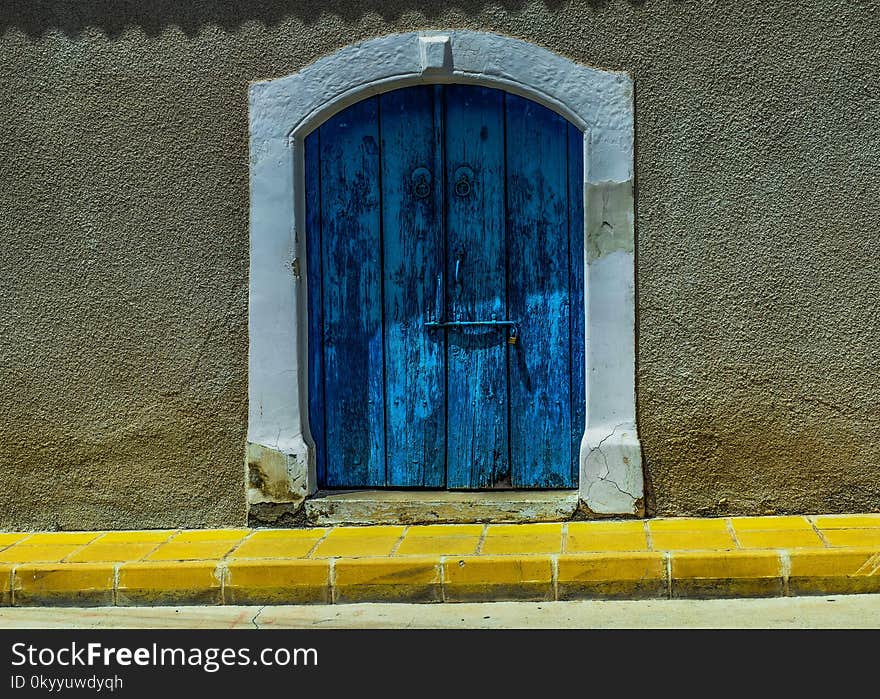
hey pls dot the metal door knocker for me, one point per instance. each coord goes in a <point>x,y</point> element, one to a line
<point>463,177</point>
<point>421,179</point>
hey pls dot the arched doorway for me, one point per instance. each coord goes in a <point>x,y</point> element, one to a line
<point>445,266</point>
<point>282,455</point>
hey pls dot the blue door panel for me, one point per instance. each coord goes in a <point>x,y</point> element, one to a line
<point>354,402</point>
<point>538,245</point>
<point>415,419</point>
<point>477,437</point>
<point>435,216</point>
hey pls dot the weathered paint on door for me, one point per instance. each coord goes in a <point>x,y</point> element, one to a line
<point>445,271</point>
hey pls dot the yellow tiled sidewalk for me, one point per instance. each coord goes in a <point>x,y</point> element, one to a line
<point>632,559</point>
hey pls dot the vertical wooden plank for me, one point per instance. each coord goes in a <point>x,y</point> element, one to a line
<point>315,299</point>
<point>477,430</point>
<point>576,293</point>
<point>538,288</point>
<point>415,419</point>
<point>352,260</point>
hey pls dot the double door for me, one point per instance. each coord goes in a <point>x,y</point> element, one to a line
<point>445,285</point>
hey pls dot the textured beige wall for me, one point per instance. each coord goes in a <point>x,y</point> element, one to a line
<point>123,256</point>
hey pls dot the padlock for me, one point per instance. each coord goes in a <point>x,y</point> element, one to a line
<point>511,339</point>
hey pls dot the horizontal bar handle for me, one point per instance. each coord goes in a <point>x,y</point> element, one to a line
<point>469,323</point>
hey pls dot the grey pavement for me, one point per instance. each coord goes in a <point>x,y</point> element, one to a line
<point>850,611</point>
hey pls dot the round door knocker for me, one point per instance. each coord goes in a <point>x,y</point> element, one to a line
<point>463,178</point>
<point>421,179</point>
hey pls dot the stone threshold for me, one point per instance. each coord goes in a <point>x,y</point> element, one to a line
<point>365,507</point>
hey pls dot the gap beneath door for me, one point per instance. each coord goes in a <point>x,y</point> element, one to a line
<point>439,507</point>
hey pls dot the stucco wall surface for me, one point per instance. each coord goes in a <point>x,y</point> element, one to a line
<point>124,254</point>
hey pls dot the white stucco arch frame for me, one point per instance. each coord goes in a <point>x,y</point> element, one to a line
<point>283,111</point>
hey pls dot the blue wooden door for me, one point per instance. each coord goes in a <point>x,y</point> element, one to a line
<point>445,286</point>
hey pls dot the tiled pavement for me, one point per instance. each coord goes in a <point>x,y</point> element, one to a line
<point>631,559</point>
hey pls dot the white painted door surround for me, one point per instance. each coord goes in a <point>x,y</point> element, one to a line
<point>280,454</point>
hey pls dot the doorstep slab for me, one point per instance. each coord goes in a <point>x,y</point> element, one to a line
<point>440,507</point>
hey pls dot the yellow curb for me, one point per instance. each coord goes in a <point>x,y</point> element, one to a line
<point>348,544</point>
<point>551,529</point>
<point>277,582</point>
<point>110,553</point>
<point>63,584</point>
<point>692,541</point>
<point>511,540</point>
<point>847,521</point>
<point>192,550</point>
<point>786,538</point>
<point>584,541</point>
<point>177,582</point>
<point>443,530</point>
<point>147,536</point>
<point>409,579</point>
<point>522,545</point>
<point>385,531</point>
<point>601,559</point>
<point>613,526</point>
<point>834,572</point>
<point>687,524</point>
<point>294,543</point>
<point>726,574</point>
<point>438,546</point>
<point>490,578</point>
<point>5,585</point>
<point>199,535</point>
<point>43,553</point>
<point>7,539</point>
<point>58,538</point>
<point>611,576</point>
<point>855,538</point>
<point>777,523</point>
<point>688,533</point>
